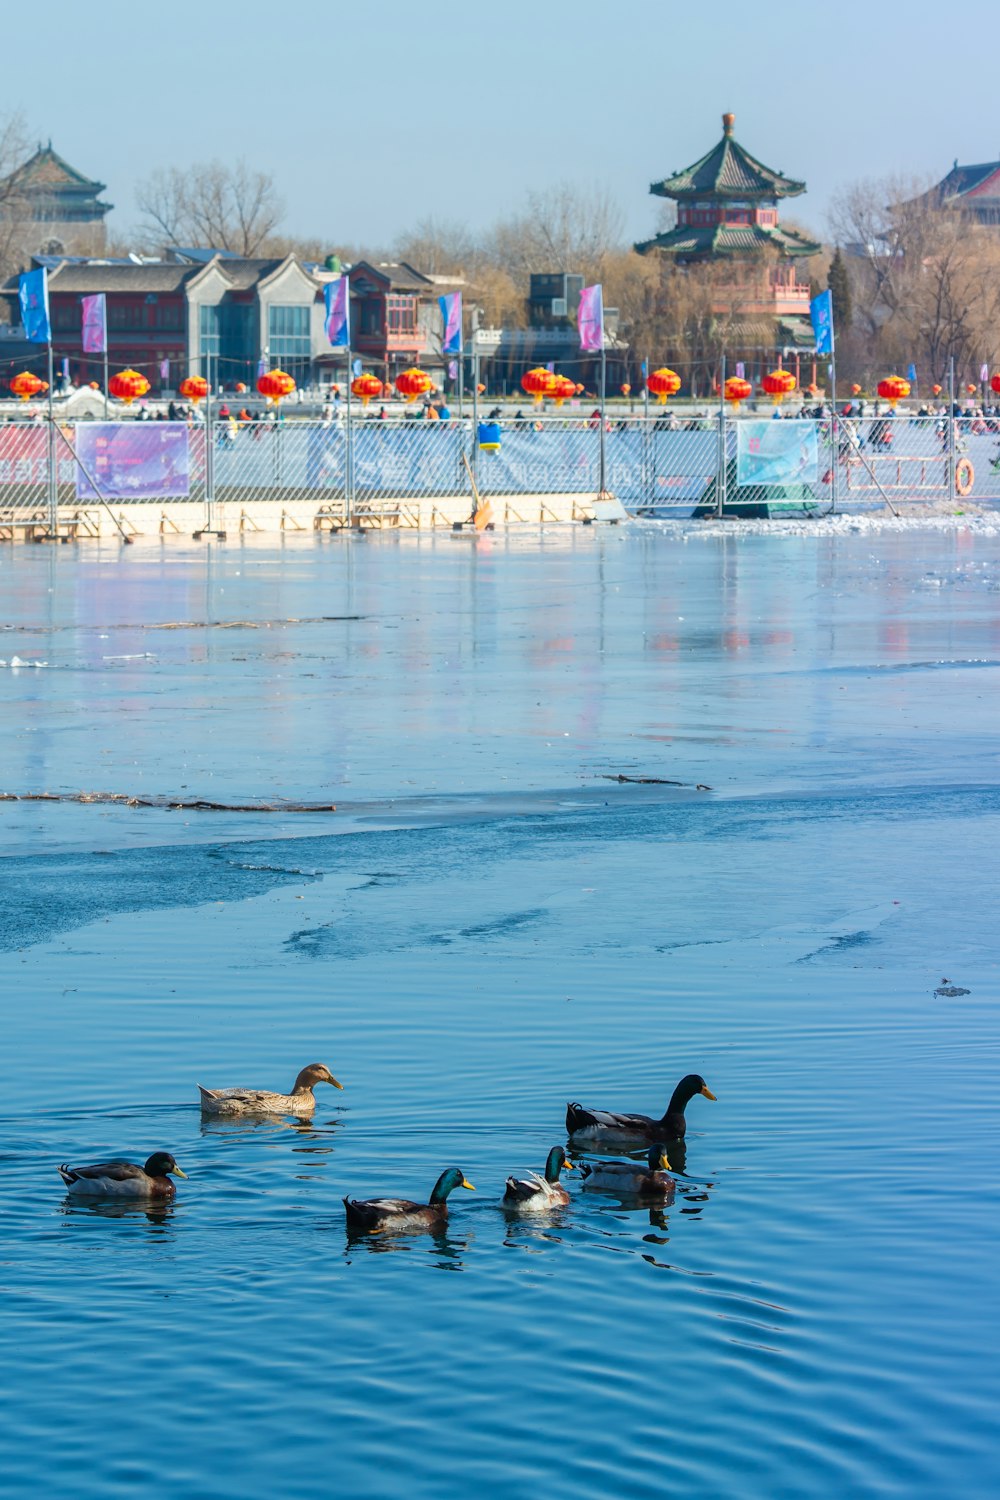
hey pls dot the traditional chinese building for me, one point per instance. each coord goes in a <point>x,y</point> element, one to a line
<point>64,205</point>
<point>973,191</point>
<point>727,211</point>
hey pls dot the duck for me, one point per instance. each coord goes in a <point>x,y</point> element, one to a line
<point>124,1179</point>
<point>301,1100</point>
<point>373,1215</point>
<point>534,1193</point>
<point>606,1125</point>
<point>631,1176</point>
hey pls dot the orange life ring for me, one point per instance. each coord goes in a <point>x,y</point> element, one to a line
<point>965,477</point>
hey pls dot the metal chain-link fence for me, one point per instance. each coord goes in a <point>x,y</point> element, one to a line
<point>669,464</point>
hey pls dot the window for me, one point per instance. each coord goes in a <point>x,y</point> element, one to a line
<point>209,333</point>
<point>124,315</point>
<point>168,315</point>
<point>401,314</point>
<point>288,340</point>
<point>371,317</point>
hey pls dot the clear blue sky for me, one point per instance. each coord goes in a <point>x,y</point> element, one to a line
<point>371,116</point>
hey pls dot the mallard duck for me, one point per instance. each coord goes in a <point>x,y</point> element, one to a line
<point>534,1193</point>
<point>300,1101</point>
<point>370,1215</point>
<point>631,1176</point>
<point>605,1125</point>
<point>123,1179</point>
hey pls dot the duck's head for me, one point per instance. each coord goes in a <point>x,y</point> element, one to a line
<point>315,1073</point>
<point>557,1160</point>
<point>691,1085</point>
<point>162,1164</point>
<point>449,1180</point>
<point>657,1158</point>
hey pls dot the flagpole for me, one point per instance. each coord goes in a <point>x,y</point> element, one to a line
<point>604,369</point>
<point>105,374</point>
<point>349,453</point>
<point>475,407</point>
<point>53,491</point>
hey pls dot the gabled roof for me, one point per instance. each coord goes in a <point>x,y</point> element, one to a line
<point>980,182</point>
<point>70,277</point>
<point>728,171</point>
<point>397,275</point>
<point>699,242</point>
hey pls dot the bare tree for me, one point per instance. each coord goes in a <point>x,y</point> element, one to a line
<point>437,247</point>
<point>563,228</point>
<point>212,205</point>
<point>18,229</point>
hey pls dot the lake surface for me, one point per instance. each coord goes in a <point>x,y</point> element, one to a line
<point>485,928</point>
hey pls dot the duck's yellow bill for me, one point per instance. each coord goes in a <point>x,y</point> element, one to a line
<point>468,1185</point>
<point>177,1171</point>
<point>569,1166</point>
<point>708,1092</point>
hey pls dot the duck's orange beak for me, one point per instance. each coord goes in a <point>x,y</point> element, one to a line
<point>708,1092</point>
<point>569,1166</point>
<point>468,1185</point>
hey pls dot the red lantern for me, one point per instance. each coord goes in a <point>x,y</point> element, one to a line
<point>128,385</point>
<point>936,389</point>
<point>94,386</point>
<point>972,389</point>
<point>241,388</point>
<point>995,384</point>
<point>561,389</point>
<point>738,389</point>
<point>194,388</point>
<point>626,389</point>
<point>367,387</point>
<point>413,383</point>
<point>779,384</point>
<point>538,383</point>
<point>480,388</point>
<point>45,386</point>
<point>275,385</point>
<point>663,384</point>
<point>894,388</point>
<point>855,390</point>
<point>26,385</point>
<point>580,388</point>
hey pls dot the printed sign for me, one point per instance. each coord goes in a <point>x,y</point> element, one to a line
<point>776,453</point>
<point>133,460</point>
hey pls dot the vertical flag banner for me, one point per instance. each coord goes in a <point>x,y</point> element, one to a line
<point>911,374</point>
<point>65,368</point>
<point>984,374</point>
<point>740,370</point>
<point>451,312</point>
<point>95,324</point>
<point>336,295</point>
<point>33,295</point>
<point>453,369</point>
<point>262,365</point>
<point>164,369</point>
<point>591,318</point>
<point>821,314</point>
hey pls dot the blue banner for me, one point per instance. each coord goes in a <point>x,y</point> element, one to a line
<point>821,314</point>
<point>451,312</point>
<point>33,295</point>
<point>776,453</point>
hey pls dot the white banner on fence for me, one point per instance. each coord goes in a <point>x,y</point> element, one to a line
<point>776,452</point>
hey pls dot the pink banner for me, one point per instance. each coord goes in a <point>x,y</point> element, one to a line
<point>95,324</point>
<point>591,318</point>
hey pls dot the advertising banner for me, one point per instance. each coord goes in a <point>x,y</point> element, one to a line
<point>134,460</point>
<point>776,453</point>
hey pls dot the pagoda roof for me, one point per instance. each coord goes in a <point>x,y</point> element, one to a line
<point>727,171</point>
<point>47,170</point>
<point>701,242</point>
<point>973,184</point>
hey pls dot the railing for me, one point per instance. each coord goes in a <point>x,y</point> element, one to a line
<point>663,465</point>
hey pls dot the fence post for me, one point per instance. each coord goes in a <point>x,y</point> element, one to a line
<point>720,481</point>
<point>834,453</point>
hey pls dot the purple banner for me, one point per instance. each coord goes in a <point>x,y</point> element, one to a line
<point>337,296</point>
<point>451,312</point>
<point>133,460</point>
<point>95,324</point>
<point>590,320</point>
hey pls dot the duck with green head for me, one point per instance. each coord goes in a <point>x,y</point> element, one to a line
<point>648,1179</point>
<point>534,1193</point>
<point>609,1127</point>
<point>120,1180</point>
<point>374,1215</point>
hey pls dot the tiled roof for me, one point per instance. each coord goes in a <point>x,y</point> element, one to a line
<point>692,241</point>
<point>47,169</point>
<point>128,278</point>
<point>728,171</point>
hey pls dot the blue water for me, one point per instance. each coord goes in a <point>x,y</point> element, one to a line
<point>484,929</point>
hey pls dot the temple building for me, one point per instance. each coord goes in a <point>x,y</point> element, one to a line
<point>63,206</point>
<point>727,211</point>
<point>972,191</point>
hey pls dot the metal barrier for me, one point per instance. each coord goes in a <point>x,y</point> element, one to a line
<point>378,472</point>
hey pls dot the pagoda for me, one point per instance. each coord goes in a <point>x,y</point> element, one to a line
<point>63,205</point>
<point>727,206</point>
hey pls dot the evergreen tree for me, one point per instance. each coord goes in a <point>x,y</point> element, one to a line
<point>839,282</point>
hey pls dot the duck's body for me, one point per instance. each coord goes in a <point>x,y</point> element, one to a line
<point>647,1179</point>
<point>120,1180</point>
<point>534,1194</point>
<point>237,1101</point>
<point>400,1215</point>
<point>610,1127</point>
